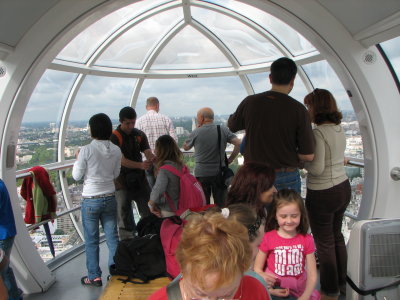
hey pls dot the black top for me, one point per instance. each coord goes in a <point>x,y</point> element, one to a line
<point>132,146</point>
<point>277,129</point>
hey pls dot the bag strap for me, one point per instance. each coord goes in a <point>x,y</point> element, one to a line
<point>219,145</point>
<point>173,170</point>
<point>119,136</point>
<point>219,148</point>
<point>174,291</point>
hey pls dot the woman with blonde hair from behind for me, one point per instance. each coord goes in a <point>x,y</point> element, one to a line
<point>214,253</point>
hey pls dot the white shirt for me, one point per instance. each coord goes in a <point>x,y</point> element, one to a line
<point>154,125</point>
<point>100,163</point>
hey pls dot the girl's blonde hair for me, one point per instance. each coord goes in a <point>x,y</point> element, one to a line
<point>167,149</point>
<point>213,244</point>
<point>282,198</point>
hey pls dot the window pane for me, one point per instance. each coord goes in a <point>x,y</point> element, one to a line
<point>132,48</point>
<point>247,45</point>
<point>322,76</point>
<point>259,82</point>
<point>290,38</point>
<point>63,232</point>
<point>391,49</point>
<point>82,47</point>
<point>38,136</point>
<point>96,95</point>
<point>189,49</point>
<point>184,97</point>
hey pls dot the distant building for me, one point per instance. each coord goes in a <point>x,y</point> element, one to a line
<point>20,160</point>
<point>194,124</point>
<point>65,224</point>
<point>179,130</point>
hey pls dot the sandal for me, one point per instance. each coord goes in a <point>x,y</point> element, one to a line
<point>95,282</point>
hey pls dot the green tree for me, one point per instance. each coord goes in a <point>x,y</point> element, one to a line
<point>42,156</point>
<point>59,232</point>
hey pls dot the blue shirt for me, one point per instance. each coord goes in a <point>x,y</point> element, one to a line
<point>7,222</point>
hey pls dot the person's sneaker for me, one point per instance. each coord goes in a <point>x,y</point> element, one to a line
<point>95,282</point>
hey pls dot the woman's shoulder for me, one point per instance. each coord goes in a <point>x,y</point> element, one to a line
<point>172,164</point>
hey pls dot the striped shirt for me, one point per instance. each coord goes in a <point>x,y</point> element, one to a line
<point>154,125</point>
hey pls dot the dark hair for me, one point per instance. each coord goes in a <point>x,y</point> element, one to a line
<point>127,113</point>
<point>284,197</point>
<point>100,126</point>
<point>244,214</point>
<point>283,70</point>
<point>323,107</point>
<point>167,149</point>
<point>250,181</point>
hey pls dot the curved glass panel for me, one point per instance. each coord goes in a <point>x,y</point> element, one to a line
<point>189,49</point>
<point>290,38</point>
<point>63,233</point>
<point>182,98</point>
<point>391,49</point>
<point>259,82</point>
<point>96,95</point>
<point>82,46</point>
<point>133,47</point>
<point>38,136</point>
<point>322,76</point>
<point>248,46</point>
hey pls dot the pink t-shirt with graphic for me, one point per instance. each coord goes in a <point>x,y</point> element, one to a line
<point>286,257</point>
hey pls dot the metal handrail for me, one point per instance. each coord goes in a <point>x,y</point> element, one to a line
<point>356,162</point>
<point>49,167</point>
<point>33,226</point>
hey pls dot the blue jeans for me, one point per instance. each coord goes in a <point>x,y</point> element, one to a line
<point>7,274</point>
<point>288,180</point>
<point>95,211</point>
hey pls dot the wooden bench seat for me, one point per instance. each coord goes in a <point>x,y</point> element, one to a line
<point>117,290</point>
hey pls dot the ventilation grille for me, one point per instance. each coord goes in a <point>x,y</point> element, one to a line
<point>384,255</point>
<point>2,71</point>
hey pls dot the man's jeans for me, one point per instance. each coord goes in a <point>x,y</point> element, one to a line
<point>7,274</point>
<point>95,211</point>
<point>288,180</point>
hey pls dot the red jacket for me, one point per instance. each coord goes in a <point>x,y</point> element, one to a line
<point>43,180</point>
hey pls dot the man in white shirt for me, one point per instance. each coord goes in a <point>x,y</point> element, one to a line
<point>154,125</point>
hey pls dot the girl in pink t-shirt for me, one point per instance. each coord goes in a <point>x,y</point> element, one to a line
<point>287,251</point>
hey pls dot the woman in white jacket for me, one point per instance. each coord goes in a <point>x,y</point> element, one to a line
<point>99,163</point>
<point>328,191</point>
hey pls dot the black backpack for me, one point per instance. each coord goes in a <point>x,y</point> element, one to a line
<point>140,258</point>
<point>149,225</point>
